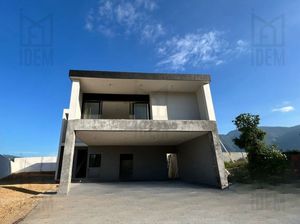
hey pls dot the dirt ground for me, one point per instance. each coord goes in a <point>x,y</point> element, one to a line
<point>20,193</point>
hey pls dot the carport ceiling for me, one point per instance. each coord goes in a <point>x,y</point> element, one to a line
<point>135,138</point>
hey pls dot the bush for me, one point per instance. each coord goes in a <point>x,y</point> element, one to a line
<point>238,171</point>
<point>267,162</point>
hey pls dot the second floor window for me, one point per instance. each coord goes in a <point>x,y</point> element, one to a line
<point>91,110</point>
<point>109,106</point>
<point>141,111</point>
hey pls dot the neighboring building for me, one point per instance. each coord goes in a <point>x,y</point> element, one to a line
<point>121,126</point>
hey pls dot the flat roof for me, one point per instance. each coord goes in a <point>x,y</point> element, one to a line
<point>138,75</point>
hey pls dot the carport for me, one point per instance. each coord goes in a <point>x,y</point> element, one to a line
<point>137,150</point>
<point>146,154</point>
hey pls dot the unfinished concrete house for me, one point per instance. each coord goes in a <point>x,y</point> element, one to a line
<point>123,126</point>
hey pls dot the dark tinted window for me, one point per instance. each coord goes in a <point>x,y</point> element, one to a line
<point>95,160</point>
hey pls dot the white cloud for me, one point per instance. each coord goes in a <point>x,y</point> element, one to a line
<point>242,46</point>
<point>112,18</point>
<point>147,4</point>
<point>126,14</point>
<point>89,21</point>
<point>152,32</point>
<point>198,49</point>
<point>284,109</point>
<point>135,17</point>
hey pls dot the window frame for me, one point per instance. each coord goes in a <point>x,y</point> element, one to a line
<point>95,165</point>
<point>147,112</point>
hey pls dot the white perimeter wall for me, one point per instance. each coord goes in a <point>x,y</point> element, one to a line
<point>33,164</point>
<point>174,106</point>
<point>228,156</point>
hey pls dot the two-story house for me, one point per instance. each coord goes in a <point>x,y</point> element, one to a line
<point>139,126</point>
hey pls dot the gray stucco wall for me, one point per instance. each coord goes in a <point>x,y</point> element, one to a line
<point>5,167</point>
<point>149,162</point>
<point>196,161</point>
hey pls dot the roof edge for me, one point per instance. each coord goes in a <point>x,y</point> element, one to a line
<point>138,75</point>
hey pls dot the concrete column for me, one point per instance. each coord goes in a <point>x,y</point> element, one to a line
<point>206,107</point>
<point>67,164</point>
<point>61,138</point>
<point>220,167</point>
<point>75,107</point>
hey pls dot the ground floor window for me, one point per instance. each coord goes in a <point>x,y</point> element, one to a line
<point>94,160</point>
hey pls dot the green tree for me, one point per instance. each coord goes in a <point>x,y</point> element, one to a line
<point>263,160</point>
<point>251,136</point>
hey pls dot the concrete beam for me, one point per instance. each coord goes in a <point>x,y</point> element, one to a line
<point>143,125</point>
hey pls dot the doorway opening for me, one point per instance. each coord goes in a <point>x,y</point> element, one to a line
<point>81,163</point>
<point>172,164</point>
<point>126,167</point>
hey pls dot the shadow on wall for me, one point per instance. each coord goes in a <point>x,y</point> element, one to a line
<point>29,178</point>
<point>38,167</point>
<point>5,166</point>
<point>25,165</point>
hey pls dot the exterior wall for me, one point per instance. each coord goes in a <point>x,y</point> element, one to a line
<point>205,103</point>
<point>33,164</point>
<point>197,161</point>
<point>4,167</point>
<point>75,101</point>
<point>174,106</point>
<point>149,162</point>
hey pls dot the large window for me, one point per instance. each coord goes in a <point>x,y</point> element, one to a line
<point>94,160</point>
<point>91,110</point>
<point>115,106</point>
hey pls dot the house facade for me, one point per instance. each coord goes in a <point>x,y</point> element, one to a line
<point>123,126</point>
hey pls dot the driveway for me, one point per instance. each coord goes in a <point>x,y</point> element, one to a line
<point>169,202</point>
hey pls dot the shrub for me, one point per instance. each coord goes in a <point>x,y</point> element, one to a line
<point>267,162</point>
<point>238,171</point>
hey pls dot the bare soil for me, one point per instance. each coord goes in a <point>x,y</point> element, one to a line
<point>20,193</point>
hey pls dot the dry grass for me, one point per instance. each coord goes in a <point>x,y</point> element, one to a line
<point>20,193</point>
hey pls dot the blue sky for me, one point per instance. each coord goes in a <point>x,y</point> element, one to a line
<point>213,37</point>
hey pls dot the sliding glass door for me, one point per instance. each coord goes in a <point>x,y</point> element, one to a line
<point>91,110</point>
<point>141,111</point>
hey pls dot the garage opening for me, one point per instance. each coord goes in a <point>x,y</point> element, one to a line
<point>126,167</point>
<point>81,163</point>
<point>172,164</point>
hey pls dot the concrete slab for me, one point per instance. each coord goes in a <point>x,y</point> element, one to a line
<point>168,202</point>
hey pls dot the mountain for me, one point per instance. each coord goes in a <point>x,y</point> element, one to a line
<point>286,138</point>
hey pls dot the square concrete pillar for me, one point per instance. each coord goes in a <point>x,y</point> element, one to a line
<point>67,163</point>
